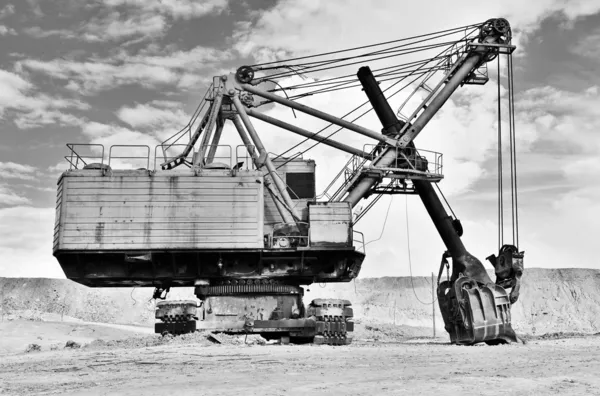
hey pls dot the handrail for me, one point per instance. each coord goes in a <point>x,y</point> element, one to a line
<point>248,160</point>
<point>204,149</point>
<point>168,158</point>
<point>74,157</point>
<point>361,240</point>
<point>415,159</point>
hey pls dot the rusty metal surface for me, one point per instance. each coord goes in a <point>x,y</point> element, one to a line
<point>508,266</point>
<point>164,210</point>
<point>235,287</point>
<point>333,321</point>
<point>176,311</point>
<point>176,317</point>
<point>475,313</point>
<point>325,321</point>
<point>183,268</point>
<point>297,165</point>
<point>175,328</point>
<point>330,224</point>
<point>252,307</point>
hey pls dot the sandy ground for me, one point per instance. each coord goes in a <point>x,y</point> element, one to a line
<point>193,366</point>
<point>16,335</point>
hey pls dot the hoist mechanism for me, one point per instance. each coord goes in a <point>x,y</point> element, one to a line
<point>246,228</point>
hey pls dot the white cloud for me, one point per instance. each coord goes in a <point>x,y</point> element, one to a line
<point>37,32</point>
<point>26,243</point>
<point>109,135</point>
<point>163,122</point>
<point>7,31</point>
<point>193,59</point>
<point>183,69</point>
<point>33,109</point>
<point>133,20</point>
<point>11,170</point>
<point>561,117</point>
<point>588,46</point>
<point>36,8</point>
<point>177,9</point>
<point>98,76</point>
<point>299,27</point>
<point>60,167</point>
<point>115,27</point>
<point>8,197</point>
<point>123,19</point>
<point>7,10</point>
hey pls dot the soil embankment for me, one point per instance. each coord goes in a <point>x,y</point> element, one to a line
<point>552,300</point>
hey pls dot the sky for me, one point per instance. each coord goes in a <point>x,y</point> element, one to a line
<point>133,71</point>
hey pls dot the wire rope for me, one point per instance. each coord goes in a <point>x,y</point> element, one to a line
<point>410,259</point>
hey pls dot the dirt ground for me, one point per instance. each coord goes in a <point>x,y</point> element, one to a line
<point>191,365</point>
<point>16,335</point>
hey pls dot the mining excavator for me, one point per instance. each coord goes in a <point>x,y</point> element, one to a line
<point>245,227</point>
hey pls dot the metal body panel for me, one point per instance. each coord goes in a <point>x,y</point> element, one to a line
<point>253,307</point>
<point>59,216</point>
<point>126,210</point>
<point>330,224</point>
<point>272,216</point>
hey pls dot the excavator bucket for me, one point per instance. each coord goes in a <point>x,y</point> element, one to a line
<point>475,313</point>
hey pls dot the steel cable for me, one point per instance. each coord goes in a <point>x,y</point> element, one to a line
<point>352,111</point>
<point>410,259</point>
<point>367,46</point>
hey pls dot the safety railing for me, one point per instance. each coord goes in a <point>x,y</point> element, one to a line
<point>166,157</point>
<point>82,154</point>
<point>219,153</point>
<point>358,240</point>
<point>128,159</point>
<point>244,160</point>
<point>77,159</point>
<point>410,160</point>
<point>194,123</point>
<point>344,179</point>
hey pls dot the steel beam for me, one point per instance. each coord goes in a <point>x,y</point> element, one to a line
<point>264,156</point>
<point>462,260</point>
<point>307,134</point>
<point>391,125</point>
<point>319,114</point>
<point>212,119</point>
<point>215,141</point>
<point>389,155</point>
<point>440,99</point>
<point>254,155</point>
<point>196,134</point>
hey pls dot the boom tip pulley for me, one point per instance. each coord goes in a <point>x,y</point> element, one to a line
<point>244,74</point>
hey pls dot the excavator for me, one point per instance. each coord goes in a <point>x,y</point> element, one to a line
<point>245,228</point>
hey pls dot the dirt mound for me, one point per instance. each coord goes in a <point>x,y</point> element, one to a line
<point>30,298</point>
<point>552,300</point>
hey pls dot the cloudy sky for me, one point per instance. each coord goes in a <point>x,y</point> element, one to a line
<point>132,71</point>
